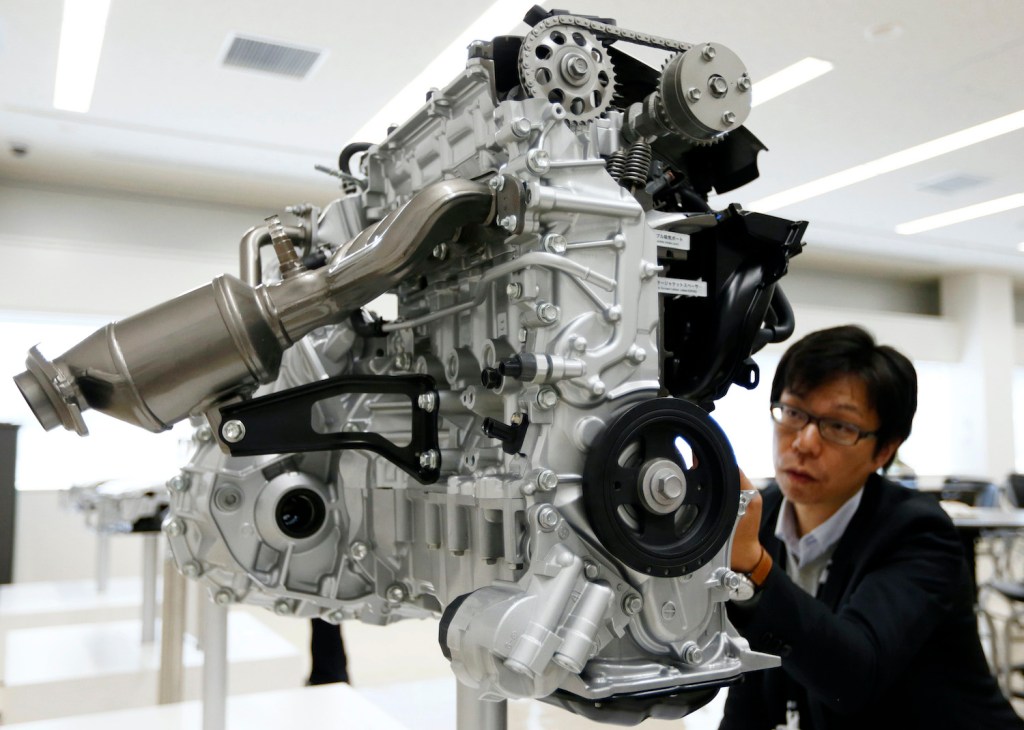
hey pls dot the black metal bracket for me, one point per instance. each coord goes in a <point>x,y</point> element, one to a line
<point>282,423</point>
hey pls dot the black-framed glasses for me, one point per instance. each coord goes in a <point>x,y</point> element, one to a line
<point>839,432</point>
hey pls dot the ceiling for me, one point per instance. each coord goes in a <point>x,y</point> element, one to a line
<point>167,118</point>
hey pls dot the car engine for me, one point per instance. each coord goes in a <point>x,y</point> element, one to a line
<point>525,451</point>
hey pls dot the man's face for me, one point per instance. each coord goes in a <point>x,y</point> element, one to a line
<point>817,473</point>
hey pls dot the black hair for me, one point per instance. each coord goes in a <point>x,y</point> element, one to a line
<point>889,376</point>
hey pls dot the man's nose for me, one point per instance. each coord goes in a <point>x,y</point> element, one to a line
<point>808,439</point>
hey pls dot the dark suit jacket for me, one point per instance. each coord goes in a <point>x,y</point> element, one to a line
<point>891,639</point>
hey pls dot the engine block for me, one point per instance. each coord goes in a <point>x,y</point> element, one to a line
<point>525,451</point>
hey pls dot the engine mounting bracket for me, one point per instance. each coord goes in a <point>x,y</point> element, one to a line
<point>282,423</point>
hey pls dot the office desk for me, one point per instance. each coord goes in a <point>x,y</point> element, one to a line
<point>972,521</point>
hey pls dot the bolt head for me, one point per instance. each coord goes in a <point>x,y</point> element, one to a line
<point>692,654</point>
<point>590,570</point>
<point>547,398</point>
<point>233,431</point>
<point>547,518</point>
<point>693,94</point>
<point>547,313</point>
<point>729,118</point>
<point>509,223</point>
<point>191,570</point>
<point>204,434</point>
<point>538,161</point>
<point>358,550</point>
<point>440,251</point>
<point>427,402</point>
<point>555,243</point>
<point>514,290</point>
<point>744,83</point>
<point>283,608</point>
<point>613,313</point>
<point>708,52</point>
<point>523,335</point>
<point>521,127</point>
<point>336,616</point>
<point>719,86</point>
<point>632,604</point>
<point>429,459</point>
<point>395,593</point>
<point>548,480</point>
<point>174,527</point>
<point>179,483</point>
<point>223,597</point>
<point>497,182</point>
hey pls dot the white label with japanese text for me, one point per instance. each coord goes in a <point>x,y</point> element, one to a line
<point>685,287</point>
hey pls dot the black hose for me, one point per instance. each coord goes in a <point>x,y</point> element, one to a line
<point>350,151</point>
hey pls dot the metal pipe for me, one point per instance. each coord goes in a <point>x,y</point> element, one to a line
<point>474,713</point>
<point>250,261</point>
<point>223,340</point>
<point>172,633</point>
<point>150,553</point>
<point>215,665</point>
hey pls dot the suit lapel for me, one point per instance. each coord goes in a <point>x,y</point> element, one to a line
<point>849,550</point>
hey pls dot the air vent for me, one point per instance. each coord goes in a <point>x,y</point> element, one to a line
<point>952,183</point>
<point>270,57</point>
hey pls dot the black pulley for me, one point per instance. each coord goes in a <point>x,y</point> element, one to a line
<point>661,487</point>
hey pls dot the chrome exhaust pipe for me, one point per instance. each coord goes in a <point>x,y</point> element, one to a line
<point>223,340</point>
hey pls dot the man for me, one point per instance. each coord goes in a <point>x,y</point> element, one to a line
<point>862,587</point>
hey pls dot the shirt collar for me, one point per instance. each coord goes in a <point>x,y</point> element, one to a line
<point>822,538</point>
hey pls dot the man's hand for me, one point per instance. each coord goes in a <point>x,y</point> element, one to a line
<point>746,547</point>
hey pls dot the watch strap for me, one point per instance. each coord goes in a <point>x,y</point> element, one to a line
<point>760,572</point>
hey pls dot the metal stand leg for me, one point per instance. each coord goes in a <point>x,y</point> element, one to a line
<point>473,713</point>
<point>215,666</point>
<point>150,558</point>
<point>172,634</point>
<point>102,561</point>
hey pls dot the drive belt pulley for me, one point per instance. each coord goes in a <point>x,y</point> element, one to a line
<point>661,487</point>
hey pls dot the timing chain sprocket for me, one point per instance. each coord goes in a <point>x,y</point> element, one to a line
<point>661,487</point>
<point>571,67</point>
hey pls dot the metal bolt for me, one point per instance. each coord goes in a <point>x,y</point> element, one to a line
<point>538,161</point>
<point>429,460</point>
<point>529,488</point>
<point>590,570</point>
<point>358,550</point>
<point>523,335</point>
<point>547,313</point>
<point>718,85</point>
<point>555,243</point>
<point>496,183</point>
<point>577,66</point>
<point>427,402</point>
<point>352,427</point>
<point>547,398</point>
<point>744,83</point>
<point>403,361</point>
<point>667,484</point>
<point>708,52</point>
<point>597,387</point>
<point>336,616</point>
<point>730,580</point>
<point>547,518</point>
<point>637,354</point>
<point>692,653</point>
<point>223,597</point>
<point>728,119</point>
<point>395,593</point>
<point>521,127</point>
<point>632,604</point>
<point>440,251</point>
<point>283,608</point>
<point>579,344</point>
<point>233,431</point>
<point>693,94</point>
<point>547,480</point>
<point>191,570</point>
<point>179,483</point>
<point>613,313</point>
<point>509,223</point>
<point>514,290</point>
<point>174,527</point>
<point>204,434</point>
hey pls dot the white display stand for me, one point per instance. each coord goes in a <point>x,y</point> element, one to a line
<point>335,705</point>
<point>80,668</point>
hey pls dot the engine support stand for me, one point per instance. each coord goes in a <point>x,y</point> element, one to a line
<point>474,713</point>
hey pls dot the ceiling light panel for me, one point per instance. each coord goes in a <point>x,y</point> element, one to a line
<point>81,39</point>
<point>960,215</point>
<point>788,79</point>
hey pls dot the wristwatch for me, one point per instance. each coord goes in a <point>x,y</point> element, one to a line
<point>748,584</point>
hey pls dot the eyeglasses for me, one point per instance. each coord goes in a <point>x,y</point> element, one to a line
<point>839,432</point>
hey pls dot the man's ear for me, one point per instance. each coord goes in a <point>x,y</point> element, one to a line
<point>885,453</point>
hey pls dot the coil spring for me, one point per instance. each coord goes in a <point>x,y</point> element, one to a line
<point>616,163</point>
<point>638,164</point>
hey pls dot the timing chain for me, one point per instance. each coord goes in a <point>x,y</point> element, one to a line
<point>613,31</point>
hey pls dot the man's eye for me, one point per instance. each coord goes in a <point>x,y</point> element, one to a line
<point>843,428</point>
<point>791,413</point>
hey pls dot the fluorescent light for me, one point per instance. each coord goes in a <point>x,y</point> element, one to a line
<point>502,16</point>
<point>969,213</point>
<point>1020,246</point>
<point>81,39</point>
<point>895,161</point>
<point>789,78</point>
